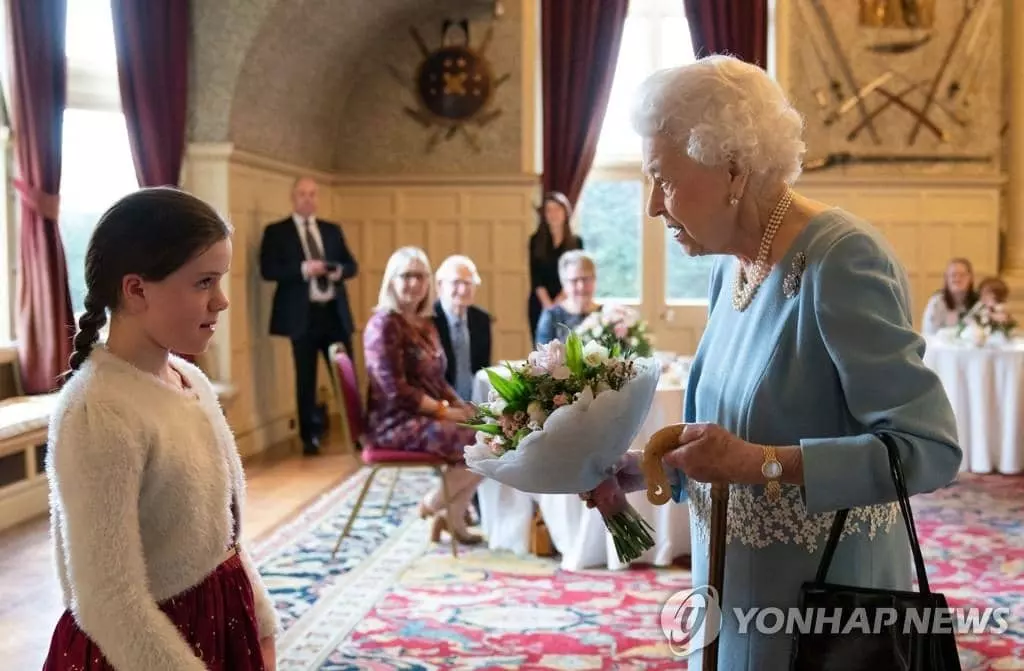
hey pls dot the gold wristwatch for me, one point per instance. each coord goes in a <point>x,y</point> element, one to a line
<point>771,469</point>
<point>442,409</point>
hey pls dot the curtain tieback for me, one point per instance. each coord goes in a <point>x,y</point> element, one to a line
<point>46,204</point>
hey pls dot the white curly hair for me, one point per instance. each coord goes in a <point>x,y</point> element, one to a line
<point>721,109</point>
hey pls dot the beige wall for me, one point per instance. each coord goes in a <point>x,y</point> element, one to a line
<point>929,212</point>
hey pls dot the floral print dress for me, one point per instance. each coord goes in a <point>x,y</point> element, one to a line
<point>405,361</point>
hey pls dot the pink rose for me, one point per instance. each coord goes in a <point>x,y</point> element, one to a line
<point>560,400</point>
<point>621,330</point>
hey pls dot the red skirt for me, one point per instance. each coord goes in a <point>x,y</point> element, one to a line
<point>217,618</point>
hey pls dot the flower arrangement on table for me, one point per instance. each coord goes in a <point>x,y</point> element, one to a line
<point>983,321</point>
<point>617,325</point>
<point>560,423</point>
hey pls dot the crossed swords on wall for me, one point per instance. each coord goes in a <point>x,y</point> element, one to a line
<point>958,92</point>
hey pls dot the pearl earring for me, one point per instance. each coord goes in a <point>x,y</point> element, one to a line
<point>733,201</point>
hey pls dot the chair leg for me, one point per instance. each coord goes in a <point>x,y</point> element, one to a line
<point>448,509</point>
<point>355,509</point>
<point>391,490</point>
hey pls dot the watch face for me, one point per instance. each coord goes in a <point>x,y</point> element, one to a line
<point>771,469</point>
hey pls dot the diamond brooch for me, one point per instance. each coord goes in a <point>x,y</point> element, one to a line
<point>791,282</point>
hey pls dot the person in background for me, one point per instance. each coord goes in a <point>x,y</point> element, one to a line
<point>146,485</point>
<point>947,307</point>
<point>309,260</point>
<point>993,291</point>
<point>552,239</point>
<point>410,406</point>
<point>464,328</point>
<point>578,274</point>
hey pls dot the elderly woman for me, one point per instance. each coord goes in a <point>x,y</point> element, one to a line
<point>578,275</point>
<point>947,307</point>
<point>410,405</point>
<point>809,355</point>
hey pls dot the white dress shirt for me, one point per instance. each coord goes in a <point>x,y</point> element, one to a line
<point>316,294</point>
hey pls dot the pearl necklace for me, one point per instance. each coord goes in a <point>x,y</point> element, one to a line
<point>745,287</point>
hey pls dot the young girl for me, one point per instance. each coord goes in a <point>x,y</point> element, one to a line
<point>145,479</point>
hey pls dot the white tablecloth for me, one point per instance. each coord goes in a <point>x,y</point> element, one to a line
<point>577,532</point>
<point>984,388</point>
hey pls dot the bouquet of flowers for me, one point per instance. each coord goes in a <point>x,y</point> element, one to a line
<point>617,325</point>
<point>983,321</point>
<point>560,422</point>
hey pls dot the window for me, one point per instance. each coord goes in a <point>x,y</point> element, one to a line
<point>97,166</point>
<point>656,36</point>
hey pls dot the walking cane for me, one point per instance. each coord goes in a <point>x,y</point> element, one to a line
<point>661,443</point>
<point>716,564</point>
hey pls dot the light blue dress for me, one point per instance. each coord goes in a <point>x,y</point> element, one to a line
<point>827,369</point>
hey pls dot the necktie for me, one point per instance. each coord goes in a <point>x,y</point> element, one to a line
<point>463,366</point>
<point>314,252</point>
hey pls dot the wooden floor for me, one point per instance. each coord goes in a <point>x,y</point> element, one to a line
<point>280,483</point>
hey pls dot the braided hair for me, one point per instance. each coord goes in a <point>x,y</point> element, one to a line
<point>151,233</point>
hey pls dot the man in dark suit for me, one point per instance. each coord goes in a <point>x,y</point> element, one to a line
<point>309,260</point>
<point>464,328</point>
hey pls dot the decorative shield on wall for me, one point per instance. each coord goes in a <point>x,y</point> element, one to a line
<point>454,85</point>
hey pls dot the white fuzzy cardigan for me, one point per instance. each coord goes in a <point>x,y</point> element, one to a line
<point>141,480</point>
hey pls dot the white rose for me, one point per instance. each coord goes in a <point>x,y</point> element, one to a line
<point>595,353</point>
<point>536,412</point>
<point>498,406</point>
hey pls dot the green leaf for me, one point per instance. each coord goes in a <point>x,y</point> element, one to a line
<point>492,429</point>
<point>507,389</point>
<point>574,354</point>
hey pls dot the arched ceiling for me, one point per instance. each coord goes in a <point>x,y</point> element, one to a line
<point>273,76</point>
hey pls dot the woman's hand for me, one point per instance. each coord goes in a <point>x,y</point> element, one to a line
<point>459,413</point>
<point>268,649</point>
<point>709,453</point>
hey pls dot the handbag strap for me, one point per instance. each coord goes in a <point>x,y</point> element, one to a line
<point>896,468</point>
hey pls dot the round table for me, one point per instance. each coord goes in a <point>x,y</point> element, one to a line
<point>984,387</point>
<point>576,531</point>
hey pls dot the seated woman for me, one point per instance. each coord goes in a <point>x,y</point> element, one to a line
<point>948,306</point>
<point>410,406</point>
<point>578,274</point>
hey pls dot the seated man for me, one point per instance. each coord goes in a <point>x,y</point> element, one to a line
<point>464,329</point>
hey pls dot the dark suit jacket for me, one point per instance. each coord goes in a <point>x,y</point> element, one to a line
<point>281,258</point>
<point>479,323</point>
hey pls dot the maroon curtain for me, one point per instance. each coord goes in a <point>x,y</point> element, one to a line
<point>152,67</point>
<point>735,27</point>
<point>45,323</point>
<point>579,51</point>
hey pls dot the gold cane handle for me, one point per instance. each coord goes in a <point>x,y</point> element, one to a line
<point>661,443</point>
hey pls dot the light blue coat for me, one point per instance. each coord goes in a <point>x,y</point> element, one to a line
<point>827,369</point>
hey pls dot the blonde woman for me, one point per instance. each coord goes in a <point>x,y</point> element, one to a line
<point>578,274</point>
<point>410,405</point>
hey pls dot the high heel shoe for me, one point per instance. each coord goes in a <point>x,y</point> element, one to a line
<point>463,537</point>
<point>425,512</point>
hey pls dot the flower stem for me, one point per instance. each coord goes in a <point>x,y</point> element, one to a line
<point>630,532</point>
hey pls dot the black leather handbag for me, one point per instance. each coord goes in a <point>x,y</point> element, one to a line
<point>905,641</point>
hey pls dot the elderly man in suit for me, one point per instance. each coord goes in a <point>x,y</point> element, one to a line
<point>464,328</point>
<point>309,260</point>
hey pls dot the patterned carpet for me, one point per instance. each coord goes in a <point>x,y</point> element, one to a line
<point>392,602</point>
